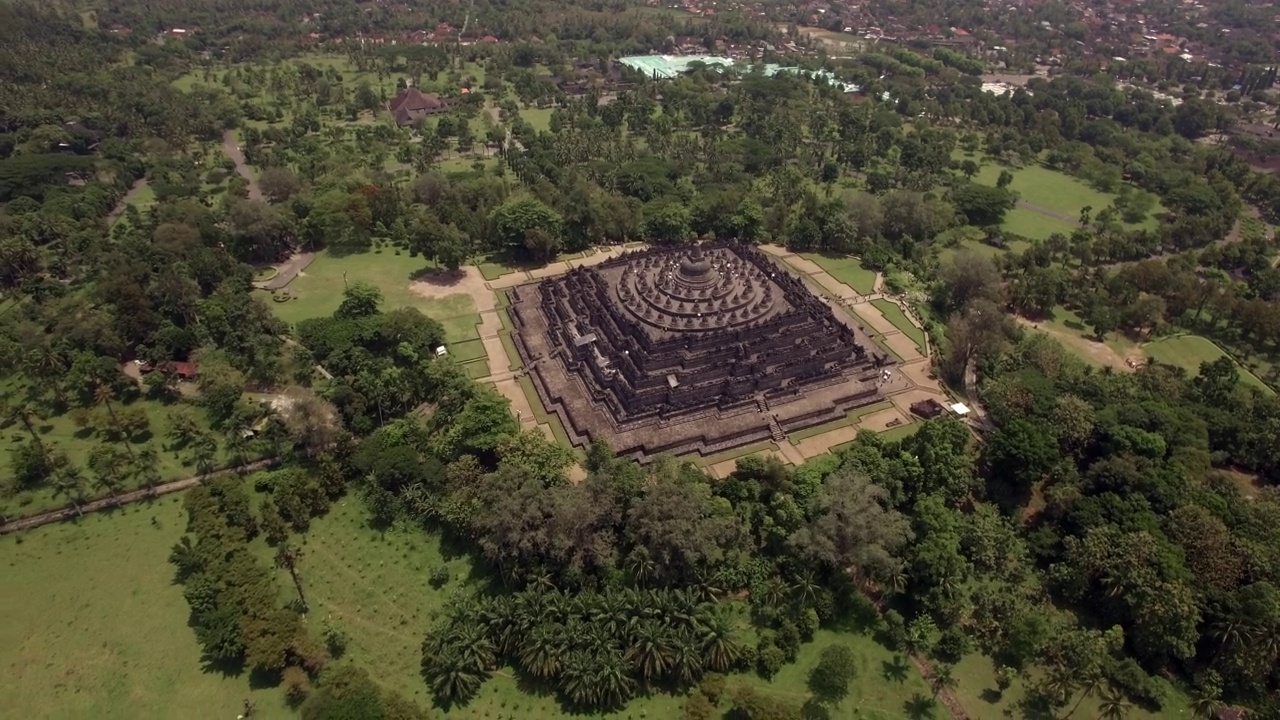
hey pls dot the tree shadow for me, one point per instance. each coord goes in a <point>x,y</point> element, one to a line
<point>814,709</point>
<point>920,707</point>
<point>442,277</point>
<point>991,695</point>
<point>897,670</point>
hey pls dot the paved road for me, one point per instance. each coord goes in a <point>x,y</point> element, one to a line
<point>132,496</point>
<point>288,271</point>
<point>232,150</point>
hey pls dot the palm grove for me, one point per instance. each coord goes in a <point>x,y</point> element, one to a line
<point>631,581</point>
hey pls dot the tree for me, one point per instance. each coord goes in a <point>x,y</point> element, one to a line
<point>68,482</point>
<point>852,530</point>
<point>287,558</point>
<point>1004,180</point>
<point>1112,705</point>
<point>110,467</point>
<point>515,220</point>
<point>829,679</point>
<point>944,679</point>
<point>965,277</point>
<point>278,184</point>
<point>359,299</point>
<point>981,205</point>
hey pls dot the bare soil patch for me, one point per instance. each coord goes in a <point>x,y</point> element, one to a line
<point>1092,351</point>
<point>432,284</point>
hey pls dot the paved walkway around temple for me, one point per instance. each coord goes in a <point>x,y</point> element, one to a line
<point>909,380</point>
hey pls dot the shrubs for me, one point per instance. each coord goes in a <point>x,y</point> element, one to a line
<point>829,679</point>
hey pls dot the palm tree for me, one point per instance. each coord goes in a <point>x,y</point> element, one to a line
<point>542,651</point>
<point>577,680</point>
<point>109,466</point>
<point>68,482</point>
<point>145,466</point>
<point>1206,707</point>
<point>204,452</point>
<point>23,413</point>
<point>686,659</point>
<point>1113,705</point>
<point>651,651</point>
<point>944,678</point>
<point>287,558</point>
<point>236,444</point>
<point>1088,686</point>
<point>103,395</point>
<point>451,680</point>
<point>719,649</point>
<point>614,685</point>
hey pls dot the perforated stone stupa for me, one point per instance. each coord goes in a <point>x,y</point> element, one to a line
<point>689,349</point>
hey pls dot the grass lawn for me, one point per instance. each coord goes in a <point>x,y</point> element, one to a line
<point>467,351</point>
<point>318,291</point>
<point>95,628</point>
<point>58,431</point>
<point>1033,225</point>
<point>895,315</point>
<point>847,270</point>
<point>539,118</point>
<point>513,355</point>
<point>477,369</point>
<point>1189,351</point>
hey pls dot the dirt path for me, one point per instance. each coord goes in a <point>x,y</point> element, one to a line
<point>1041,210</point>
<point>132,194</point>
<point>35,521</point>
<point>232,150</point>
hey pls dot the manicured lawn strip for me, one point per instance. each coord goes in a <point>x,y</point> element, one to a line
<point>895,315</point>
<point>735,453</point>
<point>96,628</point>
<point>540,411</point>
<point>1189,351</point>
<point>847,270</point>
<point>513,355</point>
<point>477,369</point>
<point>850,418</point>
<point>491,269</point>
<point>466,351</point>
<point>901,431</point>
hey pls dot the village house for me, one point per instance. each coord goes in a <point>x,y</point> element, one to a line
<point>411,104</point>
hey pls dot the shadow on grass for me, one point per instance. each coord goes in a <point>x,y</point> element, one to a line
<point>442,277</point>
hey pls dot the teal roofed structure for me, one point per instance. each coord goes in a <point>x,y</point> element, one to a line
<point>669,66</point>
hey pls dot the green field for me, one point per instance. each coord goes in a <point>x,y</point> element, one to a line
<point>318,291</point>
<point>895,315</point>
<point>848,270</point>
<point>1033,225</point>
<point>539,118</point>
<point>1189,351</point>
<point>95,628</point>
<point>850,418</point>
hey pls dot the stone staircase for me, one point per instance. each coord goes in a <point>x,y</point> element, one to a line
<point>775,430</point>
<point>762,404</point>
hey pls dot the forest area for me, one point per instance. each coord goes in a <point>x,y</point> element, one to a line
<point>1109,548</point>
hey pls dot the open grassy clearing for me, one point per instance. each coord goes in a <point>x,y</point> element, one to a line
<point>1034,225</point>
<point>848,270</point>
<point>1189,351</point>
<point>95,628</point>
<point>317,292</point>
<point>894,314</point>
<point>539,118</point>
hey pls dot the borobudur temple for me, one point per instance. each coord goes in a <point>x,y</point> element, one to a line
<point>689,349</point>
